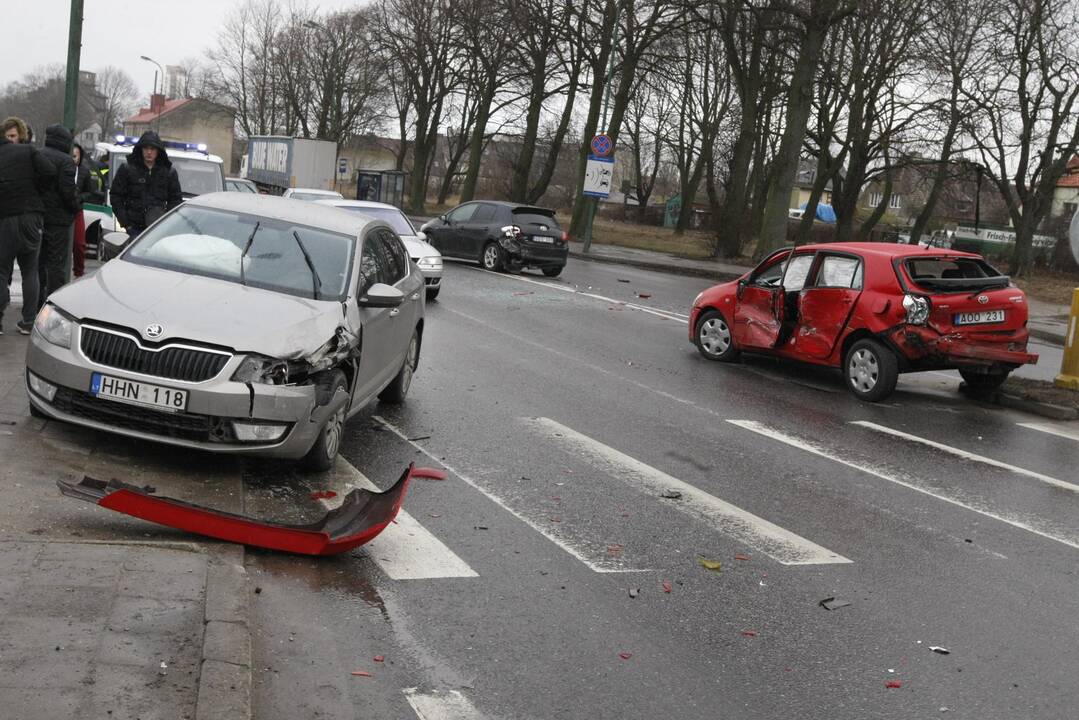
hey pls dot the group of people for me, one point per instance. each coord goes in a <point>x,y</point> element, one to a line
<point>42,193</point>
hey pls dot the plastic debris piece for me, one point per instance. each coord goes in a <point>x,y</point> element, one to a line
<point>749,633</point>
<point>556,498</point>
<point>741,557</point>
<point>479,527</point>
<point>525,292</point>
<point>622,280</point>
<point>940,650</point>
<point>671,494</point>
<point>323,495</point>
<point>434,515</point>
<point>713,565</point>
<point>893,684</point>
<point>423,437</point>
<point>832,603</point>
<point>634,592</point>
<point>379,658</point>
<point>625,655</point>
<point>644,296</point>
<point>666,586</point>
<point>614,549</point>
<point>361,673</point>
<point>555,519</point>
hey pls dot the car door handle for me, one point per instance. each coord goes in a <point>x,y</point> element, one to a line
<point>415,296</point>
<point>395,312</point>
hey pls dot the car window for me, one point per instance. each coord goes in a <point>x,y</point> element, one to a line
<point>463,213</point>
<point>393,216</point>
<point>484,213</point>
<point>939,273</point>
<point>797,272</point>
<point>198,176</point>
<point>373,263</point>
<point>397,258</point>
<point>531,218</point>
<point>212,243</point>
<point>315,196</point>
<point>839,271</point>
<point>771,275</point>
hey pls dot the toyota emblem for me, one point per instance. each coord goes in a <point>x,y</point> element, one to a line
<point>983,299</point>
<point>153,332</point>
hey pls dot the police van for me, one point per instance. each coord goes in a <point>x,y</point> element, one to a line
<point>199,172</point>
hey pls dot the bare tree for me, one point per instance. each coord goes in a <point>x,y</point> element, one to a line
<point>646,125</point>
<point>120,95</point>
<point>1027,119</point>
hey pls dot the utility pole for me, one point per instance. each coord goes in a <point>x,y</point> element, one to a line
<point>74,51</point>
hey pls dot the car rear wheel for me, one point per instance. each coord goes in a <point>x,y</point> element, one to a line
<point>713,337</point>
<point>396,391</point>
<point>983,381</point>
<point>433,293</point>
<point>323,453</point>
<point>552,271</point>
<point>492,258</point>
<point>871,370</point>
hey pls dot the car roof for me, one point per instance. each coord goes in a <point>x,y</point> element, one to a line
<point>316,191</point>
<point>240,179</point>
<point>512,205</point>
<point>287,210</point>
<point>887,250</point>
<point>341,202</point>
<point>172,152</point>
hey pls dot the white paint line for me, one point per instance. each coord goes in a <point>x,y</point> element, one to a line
<point>432,706</point>
<point>968,455</point>
<point>762,429</point>
<point>666,314</point>
<point>777,543</point>
<point>1058,430</point>
<point>580,554</point>
<point>405,550</point>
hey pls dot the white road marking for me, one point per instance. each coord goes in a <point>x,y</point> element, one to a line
<point>666,314</point>
<point>405,550</point>
<point>765,430</point>
<point>580,554</point>
<point>1061,430</point>
<point>777,543</point>
<point>969,455</point>
<point>432,706</point>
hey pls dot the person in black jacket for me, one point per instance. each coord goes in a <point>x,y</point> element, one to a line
<point>24,176</point>
<point>61,206</point>
<point>88,187</point>
<point>145,186</point>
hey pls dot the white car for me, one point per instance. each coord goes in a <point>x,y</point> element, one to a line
<point>312,194</point>
<point>425,255</point>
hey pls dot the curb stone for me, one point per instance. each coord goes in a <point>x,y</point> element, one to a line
<point>1047,335</point>
<point>1015,402</point>
<point>225,667</point>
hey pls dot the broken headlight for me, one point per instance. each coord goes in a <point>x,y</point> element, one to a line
<point>54,326</point>
<point>261,369</point>
<point>917,308</point>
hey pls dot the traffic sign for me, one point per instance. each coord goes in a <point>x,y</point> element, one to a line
<point>342,166</point>
<point>598,175</point>
<point>602,145</point>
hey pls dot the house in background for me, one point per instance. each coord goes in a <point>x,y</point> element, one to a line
<point>803,185</point>
<point>965,199</point>
<point>1066,194</point>
<point>189,120</point>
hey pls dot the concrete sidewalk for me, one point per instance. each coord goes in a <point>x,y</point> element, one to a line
<point>1047,321</point>
<point>106,616</point>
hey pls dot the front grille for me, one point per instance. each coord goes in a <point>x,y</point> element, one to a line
<point>182,425</point>
<point>174,363</point>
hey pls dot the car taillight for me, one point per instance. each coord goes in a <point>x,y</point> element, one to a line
<point>565,236</point>
<point>917,308</point>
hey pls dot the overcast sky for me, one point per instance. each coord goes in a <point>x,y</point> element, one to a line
<point>116,32</point>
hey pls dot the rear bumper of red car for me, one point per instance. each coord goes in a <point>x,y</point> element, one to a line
<point>924,344</point>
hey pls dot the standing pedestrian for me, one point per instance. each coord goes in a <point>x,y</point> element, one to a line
<point>61,206</point>
<point>145,186</point>
<point>89,191</point>
<point>25,175</point>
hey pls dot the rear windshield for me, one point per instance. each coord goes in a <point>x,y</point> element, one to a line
<point>955,274</point>
<point>314,196</point>
<point>535,218</point>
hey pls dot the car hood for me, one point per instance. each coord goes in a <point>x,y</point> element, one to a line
<point>418,248</point>
<point>201,309</point>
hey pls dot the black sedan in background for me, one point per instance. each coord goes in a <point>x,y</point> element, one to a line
<point>501,236</point>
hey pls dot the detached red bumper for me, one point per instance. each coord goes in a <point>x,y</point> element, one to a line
<point>918,343</point>
<point>360,517</point>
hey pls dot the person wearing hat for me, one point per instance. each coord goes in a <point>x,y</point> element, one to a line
<point>62,204</point>
<point>146,186</point>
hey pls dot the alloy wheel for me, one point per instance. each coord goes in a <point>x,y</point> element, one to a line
<point>864,370</point>
<point>715,336</point>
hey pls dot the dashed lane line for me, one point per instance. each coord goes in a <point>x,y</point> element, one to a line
<point>1069,432</point>
<point>405,550</point>
<point>451,705</point>
<point>807,446</point>
<point>967,455</point>
<point>580,553</point>
<point>780,544</point>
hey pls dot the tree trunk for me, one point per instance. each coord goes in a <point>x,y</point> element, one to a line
<point>522,168</point>
<point>477,141</point>
<point>731,225</point>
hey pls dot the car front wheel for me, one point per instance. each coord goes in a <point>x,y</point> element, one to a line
<point>871,370</point>
<point>713,337</point>
<point>323,453</point>
<point>552,271</point>
<point>396,391</point>
<point>492,257</point>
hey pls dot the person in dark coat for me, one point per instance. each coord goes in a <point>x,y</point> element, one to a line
<point>61,206</point>
<point>25,175</point>
<point>88,187</point>
<point>146,186</point>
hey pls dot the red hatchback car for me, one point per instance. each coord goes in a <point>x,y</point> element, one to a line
<point>873,310</point>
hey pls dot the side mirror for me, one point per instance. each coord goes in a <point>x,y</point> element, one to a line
<point>381,295</point>
<point>421,235</point>
<point>112,243</point>
<point>742,282</point>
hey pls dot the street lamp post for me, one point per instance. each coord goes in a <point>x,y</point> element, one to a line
<point>155,62</point>
<point>74,52</point>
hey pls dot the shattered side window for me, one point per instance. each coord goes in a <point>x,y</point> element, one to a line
<point>838,271</point>
<point>797,272</point>
<point>771,275</point>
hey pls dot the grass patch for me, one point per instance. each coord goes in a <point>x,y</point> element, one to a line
<point>1049,286</point>
<point>1041,391</point>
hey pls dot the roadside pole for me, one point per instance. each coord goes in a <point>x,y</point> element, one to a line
<point>74,51</point>
<point>1069,365</point>
<point>594,190</point>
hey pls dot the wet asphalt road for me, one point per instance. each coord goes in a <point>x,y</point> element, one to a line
<point>571,588</point>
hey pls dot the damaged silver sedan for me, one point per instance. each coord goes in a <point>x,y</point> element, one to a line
<point>236,323</point>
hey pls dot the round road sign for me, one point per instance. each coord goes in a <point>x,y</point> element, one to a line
<point>602,145</point>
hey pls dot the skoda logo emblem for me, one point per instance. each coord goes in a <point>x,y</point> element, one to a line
<point>983,299</point>
<point>153,332</point>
